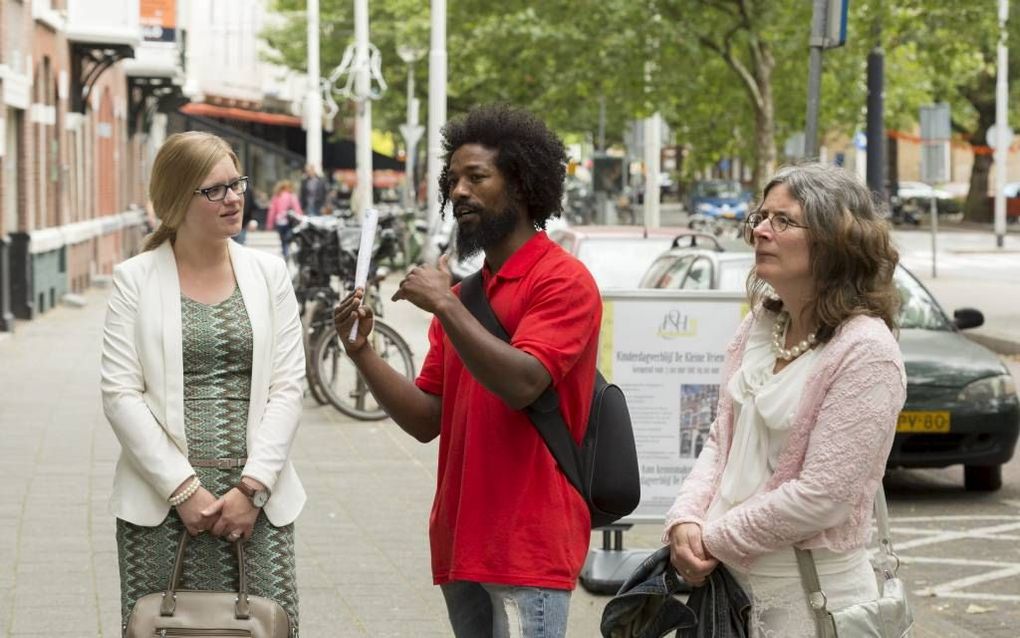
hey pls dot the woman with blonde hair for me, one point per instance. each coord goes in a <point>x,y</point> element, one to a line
<point>812,387</point>
<point>283,204</point>
<point>202,370</point>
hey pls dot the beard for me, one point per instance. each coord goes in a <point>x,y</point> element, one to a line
<point>492,228</point>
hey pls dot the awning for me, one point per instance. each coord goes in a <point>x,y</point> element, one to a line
<point>384,178</point>
<point>233,113</point>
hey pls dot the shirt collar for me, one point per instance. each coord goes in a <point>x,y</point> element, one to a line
<point>523,259</point>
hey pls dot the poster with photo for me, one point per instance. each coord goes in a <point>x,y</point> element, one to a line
<point>665,350</point>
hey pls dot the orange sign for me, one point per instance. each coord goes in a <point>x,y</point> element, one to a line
<point>159,19</point>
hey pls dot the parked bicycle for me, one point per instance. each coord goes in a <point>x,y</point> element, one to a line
<point>326,256</point>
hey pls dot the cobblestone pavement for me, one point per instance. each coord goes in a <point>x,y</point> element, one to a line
<point>363,564</point>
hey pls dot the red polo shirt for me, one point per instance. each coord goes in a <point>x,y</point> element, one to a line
<point>503,511</point>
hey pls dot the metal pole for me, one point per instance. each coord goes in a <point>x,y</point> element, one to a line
<point>934,234</point>
<point>412,123</point>
<point>653,155</point>
<point>1001,127</point>
<point>363,123</point>
<point>313,97</point>
<point>876,126</point>
<point>816,43</point>
<point>437,111</point>
<point>602,124</point>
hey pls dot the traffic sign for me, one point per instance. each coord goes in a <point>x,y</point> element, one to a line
<point>935,143</point>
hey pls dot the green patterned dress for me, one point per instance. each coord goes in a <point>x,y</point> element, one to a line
<point>217,345</point>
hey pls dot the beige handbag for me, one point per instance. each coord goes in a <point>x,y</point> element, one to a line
<point>211,614</point>
<point>887,617</point>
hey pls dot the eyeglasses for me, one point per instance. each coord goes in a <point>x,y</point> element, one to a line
<point>779,223</point>
<point>219,191</point>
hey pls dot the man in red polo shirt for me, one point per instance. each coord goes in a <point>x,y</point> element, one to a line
<point>508,532</point>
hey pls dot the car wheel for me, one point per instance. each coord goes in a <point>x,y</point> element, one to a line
<point>982,478</point>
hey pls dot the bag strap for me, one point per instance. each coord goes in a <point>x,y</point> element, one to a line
<point>242,609</point>
<point>891,560</point>
<point>809,570</point>
<point>545,412</point>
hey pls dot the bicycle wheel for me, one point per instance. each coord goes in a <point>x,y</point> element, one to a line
<point>314,384</point>
<point>339,379</point>
<point>309,336</point>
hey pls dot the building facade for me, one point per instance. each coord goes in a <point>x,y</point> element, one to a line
<point>89,90</point>
<point>78,129</point>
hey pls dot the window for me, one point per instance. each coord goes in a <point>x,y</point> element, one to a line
<point>10,188</point>
<point>699,276</point>
<point>672,278</point>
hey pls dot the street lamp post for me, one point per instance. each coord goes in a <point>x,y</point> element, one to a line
<point>1003,134</point>
<point>313,96</point>
<point>437,112</point>
<point>817,43</point>
<point>411,130</point>
<point>363,123</point>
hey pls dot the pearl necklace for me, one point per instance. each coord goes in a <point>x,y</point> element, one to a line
<point>779,338</point>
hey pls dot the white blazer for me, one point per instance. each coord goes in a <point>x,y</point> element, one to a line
<point>143,382</point>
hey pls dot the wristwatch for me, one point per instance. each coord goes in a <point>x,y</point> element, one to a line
<point>258,497</point>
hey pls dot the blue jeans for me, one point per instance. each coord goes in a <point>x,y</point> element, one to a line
<point>285,233</point>
<point>480,610</point>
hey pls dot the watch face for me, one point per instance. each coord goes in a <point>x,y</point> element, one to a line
<point>259,498</point>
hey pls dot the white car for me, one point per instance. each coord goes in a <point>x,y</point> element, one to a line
<point>919,191</point>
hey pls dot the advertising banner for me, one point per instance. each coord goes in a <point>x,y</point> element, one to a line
<point>665,350</point>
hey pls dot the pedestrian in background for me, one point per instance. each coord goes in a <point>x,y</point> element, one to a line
<point>809,400</point>
<point>508,532</point>
<point>313,191</point>
<point>247,221</point>
<point>202,370</point>
<point>282,209</point>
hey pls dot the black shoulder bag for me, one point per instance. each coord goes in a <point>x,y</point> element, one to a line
<point>604,468</point>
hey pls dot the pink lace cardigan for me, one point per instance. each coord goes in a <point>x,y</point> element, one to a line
<point>822,491</point>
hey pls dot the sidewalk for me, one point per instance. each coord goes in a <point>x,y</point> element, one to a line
<point>362,542</point>
<point>362,539</point>
<point>363,561</point>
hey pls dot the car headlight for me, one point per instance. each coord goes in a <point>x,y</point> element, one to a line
<point>704,208</point>
<point>988,389</point>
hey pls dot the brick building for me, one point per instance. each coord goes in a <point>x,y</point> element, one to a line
<point>89,89</point>
<point>76,126</point>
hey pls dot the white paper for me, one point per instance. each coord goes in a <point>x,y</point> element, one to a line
<point>368,225</point>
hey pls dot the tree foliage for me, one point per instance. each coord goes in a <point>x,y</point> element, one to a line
<point>728,76</point>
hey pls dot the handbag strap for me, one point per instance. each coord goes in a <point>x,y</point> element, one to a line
<point>816,597</point>
<point>242,609</point>
<point>544,413</point>
<point>891,562</point>
<point>809,570</point>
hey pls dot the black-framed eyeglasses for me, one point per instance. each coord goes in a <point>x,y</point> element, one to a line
<point>219,191</point>
<point>779,223</point>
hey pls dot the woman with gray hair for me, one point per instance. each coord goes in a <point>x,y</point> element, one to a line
<point>812,386</point>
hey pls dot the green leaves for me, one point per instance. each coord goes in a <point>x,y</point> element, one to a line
<point>729,76</point>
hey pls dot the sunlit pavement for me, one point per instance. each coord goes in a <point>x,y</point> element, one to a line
<point>363,564</point>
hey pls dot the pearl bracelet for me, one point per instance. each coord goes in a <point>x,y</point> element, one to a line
<point>187,493</point>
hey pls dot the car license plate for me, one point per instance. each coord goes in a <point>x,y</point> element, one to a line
<point>923,422</point>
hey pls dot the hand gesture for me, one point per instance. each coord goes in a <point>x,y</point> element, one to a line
<point>343,318</point>
<point>688,555</point>
<point>191,510</point>
<point>426,287</point>
<point>236,516</point>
